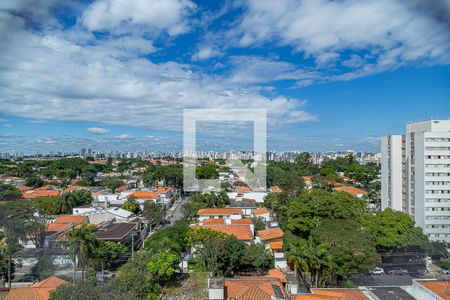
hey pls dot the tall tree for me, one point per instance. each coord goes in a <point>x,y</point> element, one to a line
<point>83,246</point>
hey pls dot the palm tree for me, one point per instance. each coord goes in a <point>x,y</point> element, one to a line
<point>69,201</point>
<point>83,246</point>
<point>311,262</point>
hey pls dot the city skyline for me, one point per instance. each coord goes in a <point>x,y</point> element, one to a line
<point>327,83</point>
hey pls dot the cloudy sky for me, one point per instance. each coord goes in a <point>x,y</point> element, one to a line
<point>117,74</point>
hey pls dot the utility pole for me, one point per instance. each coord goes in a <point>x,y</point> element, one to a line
<point>132,246</point>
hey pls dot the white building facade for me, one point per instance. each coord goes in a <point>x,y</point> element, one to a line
<point>416,175</point>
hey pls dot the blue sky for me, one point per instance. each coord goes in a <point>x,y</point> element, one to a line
<point>116,75</point>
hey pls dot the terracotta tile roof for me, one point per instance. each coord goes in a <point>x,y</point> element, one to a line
<point>245,221</point>
<point>70,219</point>
<point>163,189</point>
<point>57,227</point>
<point>260,211</point>
<point>337,294</point>
<point>252,288</point>
<point>122,188</point>
<point>23,188</point>
<point>351,190</point>
<point>270,234</point>
<point>39,291</point>
<point>73,188</point>
<point>276,189</point>
<point>308,180</point>
<point>439,288</point>
<point>40,193</point>
<point>145,195</point>
<point>220,211</point>
<point>243,190</point>
<point>241,232</point>
<point>276,245</point>
<point>273,273</point>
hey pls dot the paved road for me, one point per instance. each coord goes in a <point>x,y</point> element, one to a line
<point>177,212</point>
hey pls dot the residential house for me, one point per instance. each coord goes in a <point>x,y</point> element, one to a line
<point>431,289</point>
<point>246,289</point>
<point>262,213</point>
<point>257,197</point>
<point>122,233</point>
<point>342,294</point>
<point>275,189</point>
<point>220,213</point>
<point>308,182</point>
<point>359,193</point>
<point>98,215</point>
<point>143,196</point>
<point>38,291</point>
<point>167,195</point>
<point>44,191</point>
<point>243,232</point>
<point>273,239</point>
<point>246,206</point>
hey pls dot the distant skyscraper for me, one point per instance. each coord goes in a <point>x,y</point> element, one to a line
<point>83,152</point>
<point>415,175</point>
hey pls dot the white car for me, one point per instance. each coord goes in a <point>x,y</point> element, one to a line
<point>377,271</point>
<point>446,271</point>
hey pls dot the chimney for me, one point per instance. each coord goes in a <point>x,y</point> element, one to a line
<point>227,221</point>
<point>216,288</point>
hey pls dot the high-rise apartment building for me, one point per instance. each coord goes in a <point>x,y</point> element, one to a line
<point>415,175</point>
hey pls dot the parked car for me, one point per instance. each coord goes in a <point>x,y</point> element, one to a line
<point>399,271</point>
<point>377,271</point>
<point>446,271</point>
<point>421,271</point>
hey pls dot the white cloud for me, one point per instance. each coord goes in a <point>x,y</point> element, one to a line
<point>401,32</point>
<point>65,80</point>
<point>123,137</point>
<point>206,52</point>
<point>8,125</point>
<point>255,69</point>
<point>147,15</point>
<point>98,130</point>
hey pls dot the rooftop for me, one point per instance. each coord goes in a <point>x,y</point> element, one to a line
<point>39,291</point>
<point>114,231</point>
<point>340,294</point>
<point>245,221</point>
<point>145,195</point>
<point>439,288</point>
<point>260,211</point>
<point>254,288</point>
<point>270,234</point>
<point>351,190</point>
<point>220,211</point>
<point>70,219</point>
<point>241,232</point>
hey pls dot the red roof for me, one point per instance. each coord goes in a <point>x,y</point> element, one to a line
<point>69,219</point>
<point>276,189</point>
<point>340,294</point>
<point>252,288</point>
<point>351,190</point>
<point>270,234</point>
<point>273,273</point>
<point>243,190</point>
<point>260,211</point>
<point>245,221</point>
<point>39,291</point>
<point>220,211</point>
<point>57,227</point>
<point>439,288</point>
<point>145,195</point>
<point>276,245</point>
<point>241,232</point>
<point>40,193</point>
<point>163,189</point>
